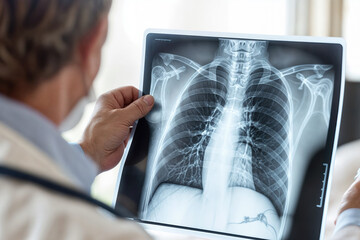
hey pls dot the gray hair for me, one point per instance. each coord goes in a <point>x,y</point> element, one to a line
<point>38,37</point>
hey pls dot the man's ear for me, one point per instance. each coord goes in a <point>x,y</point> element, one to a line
<point>89,48</point>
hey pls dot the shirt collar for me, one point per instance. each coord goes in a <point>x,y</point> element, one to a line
<point>44,134</point>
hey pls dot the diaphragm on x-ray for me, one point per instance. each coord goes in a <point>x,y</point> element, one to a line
<point>234,124</point>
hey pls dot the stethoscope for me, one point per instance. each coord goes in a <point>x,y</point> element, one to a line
<point>47,184</point>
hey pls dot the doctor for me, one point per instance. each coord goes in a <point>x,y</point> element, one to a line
<point>50,53</point>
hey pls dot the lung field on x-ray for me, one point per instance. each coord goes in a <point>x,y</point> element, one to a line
<point>230,120</point>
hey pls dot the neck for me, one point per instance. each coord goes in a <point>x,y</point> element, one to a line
<point>55,97</point>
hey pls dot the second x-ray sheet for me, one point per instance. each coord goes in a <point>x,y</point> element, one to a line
<point>235,124</point>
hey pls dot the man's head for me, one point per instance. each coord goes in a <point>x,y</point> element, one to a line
<point>40,38</point>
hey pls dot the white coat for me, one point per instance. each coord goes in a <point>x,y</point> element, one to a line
<point>30,212</point>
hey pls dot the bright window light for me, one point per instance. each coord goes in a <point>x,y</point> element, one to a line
<point>352,36</point>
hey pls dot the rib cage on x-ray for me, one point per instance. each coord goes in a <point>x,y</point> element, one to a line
<point>261,126</point>
<point>241,92</point>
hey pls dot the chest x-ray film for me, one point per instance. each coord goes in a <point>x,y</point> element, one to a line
<point>241,138</point>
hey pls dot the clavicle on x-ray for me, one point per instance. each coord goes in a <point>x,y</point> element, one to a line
<point>226,136</point>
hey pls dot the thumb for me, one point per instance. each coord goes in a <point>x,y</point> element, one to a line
<point>138,108</point>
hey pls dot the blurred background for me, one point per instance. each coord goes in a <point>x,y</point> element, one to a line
<point>129,19</point>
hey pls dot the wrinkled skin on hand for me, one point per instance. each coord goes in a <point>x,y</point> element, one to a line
<point>108,131</point>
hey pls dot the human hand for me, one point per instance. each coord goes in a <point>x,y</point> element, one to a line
<point>351,198</point>
<point>106,135</point>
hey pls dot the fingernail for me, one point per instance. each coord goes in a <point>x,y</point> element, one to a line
<point>149,100</point>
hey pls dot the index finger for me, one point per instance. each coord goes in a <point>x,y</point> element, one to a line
<point>122,97</point>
